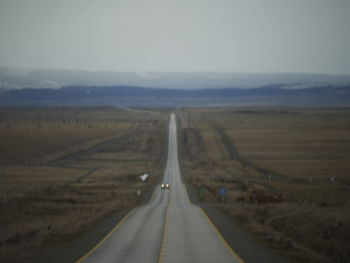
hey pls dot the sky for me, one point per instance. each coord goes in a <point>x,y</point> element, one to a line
<point>311,36</point>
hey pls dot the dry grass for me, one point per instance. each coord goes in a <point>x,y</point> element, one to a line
<point>59,165</point>
<point>304,144</point>
<point>300,233</point>
<point>27,134</point>
<point>276,165</point>
<point>19,178</point>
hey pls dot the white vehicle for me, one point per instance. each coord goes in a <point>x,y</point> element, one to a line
<point>165,186</point>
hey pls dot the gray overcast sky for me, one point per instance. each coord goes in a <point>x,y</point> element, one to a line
<point>177,35</point>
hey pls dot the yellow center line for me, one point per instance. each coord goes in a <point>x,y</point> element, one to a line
<point>105,238</point>
<point>230,249</point>
<point>164,238</point>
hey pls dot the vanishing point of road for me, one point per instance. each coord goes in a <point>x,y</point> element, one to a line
<point>168,229</point>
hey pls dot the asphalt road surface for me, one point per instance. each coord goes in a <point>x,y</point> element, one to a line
<point>168,229</point>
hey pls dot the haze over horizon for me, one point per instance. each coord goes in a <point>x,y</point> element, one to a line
<point>177,36</point>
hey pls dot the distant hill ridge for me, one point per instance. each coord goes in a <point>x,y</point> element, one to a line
<point>126,91</point>
<point>20,78</point>
<point>120,95</point>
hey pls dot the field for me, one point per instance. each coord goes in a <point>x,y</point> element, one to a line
<point>285,171</point>
<point>64,169</point>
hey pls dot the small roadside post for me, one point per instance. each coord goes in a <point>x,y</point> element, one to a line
<point>138,193</point>
<point>222,193</point>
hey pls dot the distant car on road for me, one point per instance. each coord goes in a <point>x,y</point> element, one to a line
<point>165,186</point>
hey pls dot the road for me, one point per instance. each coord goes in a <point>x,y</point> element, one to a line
<point>168,229</point>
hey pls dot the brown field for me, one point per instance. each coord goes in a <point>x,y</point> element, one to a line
<point>27,134</point>
<point>277,165</point>
<point>58,165</point>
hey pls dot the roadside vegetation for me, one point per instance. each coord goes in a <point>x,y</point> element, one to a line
<point>64,169</point>
<point>285,172</point>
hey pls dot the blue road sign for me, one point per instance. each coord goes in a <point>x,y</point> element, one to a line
<point>222,191</point>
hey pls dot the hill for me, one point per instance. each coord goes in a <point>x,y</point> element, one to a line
<point>123,96</point>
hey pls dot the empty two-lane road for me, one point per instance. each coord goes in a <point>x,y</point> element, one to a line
<point>168,229</point>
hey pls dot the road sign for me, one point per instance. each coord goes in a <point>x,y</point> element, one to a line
<point>222,191</point>
<point>143,177</point>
